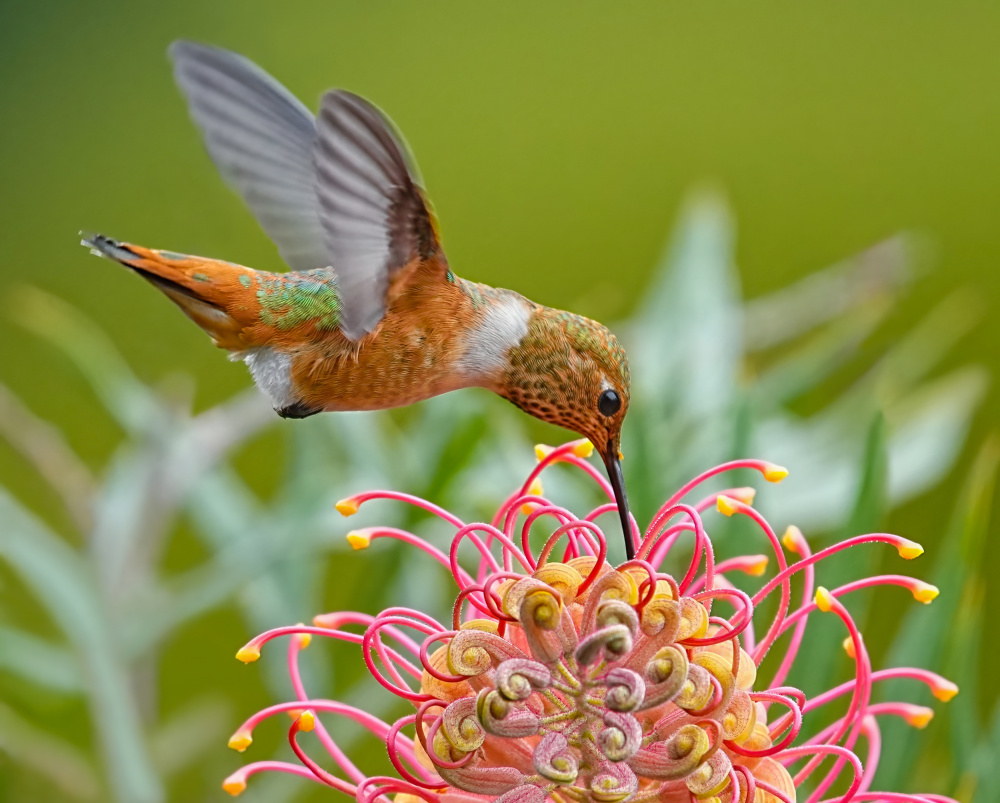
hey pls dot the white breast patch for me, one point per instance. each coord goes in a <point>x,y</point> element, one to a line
<point>272,371</point>
<point>503,326</point>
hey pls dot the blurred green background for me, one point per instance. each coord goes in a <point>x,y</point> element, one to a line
<point>558,142</point>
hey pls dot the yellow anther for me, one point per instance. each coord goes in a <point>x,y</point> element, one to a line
<point>585,448</point>
<point>773,472</point>
<point>908,550</point>
<point>542,451</point>
<point>824,599</point>
<point>248,654</point>
<point>792,538</point>
<point>307,721</point>
<point>745,495</point>
<point>919,716</point>
<point>726,505</point>
<point>925,592</point>
<point>303,638</point>
<point>758,567</point>
<point>944,690</point>
<point>535,489</point>
<point>240,740</point>
<point>347,507</point>
<point>234,785</point>
<point>358,538</point>
<point>849,648</point>
<point>620,455</point>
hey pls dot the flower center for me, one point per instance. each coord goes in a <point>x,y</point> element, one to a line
<point>604,688</point>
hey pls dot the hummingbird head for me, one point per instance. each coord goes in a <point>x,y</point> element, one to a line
<point>572,371</point>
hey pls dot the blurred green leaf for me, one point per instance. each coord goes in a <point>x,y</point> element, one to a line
<point>927,637</point>
<point>62,583</point>
<point>39,661</point>
<point>873,276</point>
<point>132,404</point>
<point>60,763</point>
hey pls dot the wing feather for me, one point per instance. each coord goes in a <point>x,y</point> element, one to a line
<point>261,138</point>
<point>374,215</point>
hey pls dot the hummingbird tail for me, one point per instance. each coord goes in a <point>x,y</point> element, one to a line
<point>190,282</point>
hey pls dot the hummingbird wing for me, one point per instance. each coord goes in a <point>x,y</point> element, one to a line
<point>261,138</point>
<point>378,229</point>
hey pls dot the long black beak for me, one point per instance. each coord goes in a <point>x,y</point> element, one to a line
<point>614,467</point>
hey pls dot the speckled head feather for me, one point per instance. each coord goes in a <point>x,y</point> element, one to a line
<point>560,370</point>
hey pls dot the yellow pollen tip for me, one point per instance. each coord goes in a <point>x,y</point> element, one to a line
<point>726,505</point>
<point>908,550</point>
<point>620,455</point>
<point>240,740</point>
<point>774,473</point>
<point>542,451</point>
<point>824,599</point>
<point>248,654</point>
<point>358,539</point>
<point>945,690</point>
<point>919,717</point>
<point>744,495</point>
<point>791,539</point>
<point>234,785</point>
<point>849,648</point>
<point>535,489</point>
<point>585,449</point>
<point>347,507</point>
<point>925,592</point>
<point>307,721</point>
<point>303,638</point>
<point>758,567</point>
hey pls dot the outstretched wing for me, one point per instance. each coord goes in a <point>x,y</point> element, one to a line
<point>261,138</point>
<point>374,216</point>
<point>340,191</point>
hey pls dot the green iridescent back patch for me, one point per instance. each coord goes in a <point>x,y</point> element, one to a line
<point>288,300</point>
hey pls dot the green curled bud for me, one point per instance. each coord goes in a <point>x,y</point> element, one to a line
<point>554,760</point>
<point>460,725</point>
<point>697,691</point>
<point>610,643</point>
<point>626,690</point>
<point>616,612</point>
<point>666,675</point>
<point>517,678</point>
<point>500,717</point>
<point>613,782</point>
<point>673,758</point>
<point>711,777</point>
<point>621,736</point>
<point>473,652</point>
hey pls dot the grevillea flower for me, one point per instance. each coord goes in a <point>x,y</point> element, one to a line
<point>563,678</point>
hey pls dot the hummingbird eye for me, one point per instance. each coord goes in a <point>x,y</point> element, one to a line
<point>609,403</point>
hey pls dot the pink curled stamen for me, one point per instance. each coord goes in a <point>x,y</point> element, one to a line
<point>321,774</point>
<point>796,726</point>
<point>416,501</point>
<point>429,781</point>
<point>425,658</point>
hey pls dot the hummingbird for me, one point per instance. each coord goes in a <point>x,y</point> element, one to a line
<point>370,316</point>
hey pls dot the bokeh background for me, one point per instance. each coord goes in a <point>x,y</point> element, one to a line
<point>561,144</point>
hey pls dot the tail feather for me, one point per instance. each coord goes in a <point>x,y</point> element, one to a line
<point>200,287</point>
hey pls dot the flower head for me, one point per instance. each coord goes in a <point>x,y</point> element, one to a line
<point>561,677</point>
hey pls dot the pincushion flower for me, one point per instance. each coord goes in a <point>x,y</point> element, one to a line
<point>563,678</point>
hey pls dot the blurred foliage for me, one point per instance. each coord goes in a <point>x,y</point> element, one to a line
<point>716,377</point>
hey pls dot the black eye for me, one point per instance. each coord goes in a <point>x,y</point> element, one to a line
<point>609,403</point>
